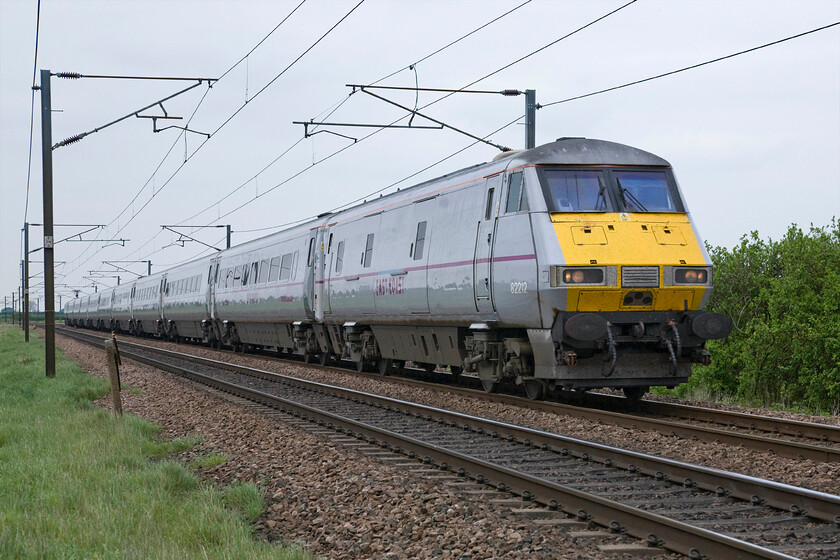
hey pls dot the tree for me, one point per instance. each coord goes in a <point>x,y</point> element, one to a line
<point>784,300</point>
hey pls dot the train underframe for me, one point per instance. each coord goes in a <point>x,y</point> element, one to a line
<point>627,350</point>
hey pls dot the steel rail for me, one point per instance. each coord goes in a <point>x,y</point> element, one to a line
<point>780,447</point>
<point>819,505</point>
<point>798,428</point>
<point>673,535</point>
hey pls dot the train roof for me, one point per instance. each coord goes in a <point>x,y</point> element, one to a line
<point>587,151</point>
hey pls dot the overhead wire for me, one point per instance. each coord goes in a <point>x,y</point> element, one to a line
<point>430,55</point>
<point>232,116</point>
<point>532,53</point>
<point>692,67</point>
<point>332,109</point>
<point>178,139</point>
<point>32,112</point>
<point>183,134</point>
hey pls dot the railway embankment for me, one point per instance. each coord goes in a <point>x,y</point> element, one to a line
<point>75,482</point>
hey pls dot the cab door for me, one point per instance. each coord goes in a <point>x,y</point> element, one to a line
<point>485,231</point>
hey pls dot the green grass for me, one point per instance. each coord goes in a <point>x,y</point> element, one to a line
<point>209,461</point>
<point>76,483</point>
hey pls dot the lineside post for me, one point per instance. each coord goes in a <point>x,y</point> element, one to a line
<point>113,353</point>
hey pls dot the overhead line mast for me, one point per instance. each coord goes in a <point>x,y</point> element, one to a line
<point>46,157</point>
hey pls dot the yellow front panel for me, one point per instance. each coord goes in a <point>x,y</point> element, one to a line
<point>629,239</point>
<point>591,299</point>
<point>667,299</point>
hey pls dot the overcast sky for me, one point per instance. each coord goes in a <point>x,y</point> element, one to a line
<point>754,140</point>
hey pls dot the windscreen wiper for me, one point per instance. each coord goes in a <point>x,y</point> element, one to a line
<point>601,196</point>
<point>625,194</point>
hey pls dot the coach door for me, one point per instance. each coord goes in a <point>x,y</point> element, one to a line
<point>212,273</point>
<point>417,285</point>
<point>482,271</point>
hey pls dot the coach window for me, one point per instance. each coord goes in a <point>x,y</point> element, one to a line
<point>420,241</point>
<point>368,256</point>
<point>275,269</point>
<point>339,257</point>
<point>489,209</point>
<point>311,252</point>
<point>263,272</point>
<point>286,267</point>
<point>295,261</point>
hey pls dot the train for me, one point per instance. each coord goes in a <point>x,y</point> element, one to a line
<point>570,266</point>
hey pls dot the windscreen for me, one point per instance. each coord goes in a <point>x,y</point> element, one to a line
<point>644,191</point>
<point>576,191</point>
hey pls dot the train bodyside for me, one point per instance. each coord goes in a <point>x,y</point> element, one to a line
<point>405,275</point>
<point>121,307</point>
<point>262,292</point>
<point>145,306</point>
<point>104,313</point>
<point>184,306</point>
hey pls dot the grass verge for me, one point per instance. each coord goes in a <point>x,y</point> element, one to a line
<point>76,483</point>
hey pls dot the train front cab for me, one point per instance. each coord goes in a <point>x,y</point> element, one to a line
<point>634,279</point>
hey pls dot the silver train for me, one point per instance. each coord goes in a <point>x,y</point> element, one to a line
<point>572,265</point>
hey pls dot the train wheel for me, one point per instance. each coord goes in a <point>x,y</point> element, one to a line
<point>534,389</point>
<point>428,368</point>
<point>308,358</point>
<point>456,371</point>
<point>323,358</point>
<point>489,385</point>
<point>360,366</point>
<point>386,366</point>
<point>635,393</point>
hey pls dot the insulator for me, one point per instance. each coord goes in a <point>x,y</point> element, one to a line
<point>511,92</point>
<point>69,75</point>
<point>68,141</point>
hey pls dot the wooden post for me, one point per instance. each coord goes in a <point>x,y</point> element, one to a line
<point>113,353</point>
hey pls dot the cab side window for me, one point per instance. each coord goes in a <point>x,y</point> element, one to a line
<point>517,199</point>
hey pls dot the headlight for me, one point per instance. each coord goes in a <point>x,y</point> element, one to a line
<point>583,276</point>
<point>691,276</point>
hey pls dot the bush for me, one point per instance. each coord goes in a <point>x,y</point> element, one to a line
<point>784,299</point>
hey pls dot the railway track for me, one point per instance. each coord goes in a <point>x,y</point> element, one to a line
<point>697,511</point>
<point>783,437</point>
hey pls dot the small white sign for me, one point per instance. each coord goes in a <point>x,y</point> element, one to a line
<point>48,242</point>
